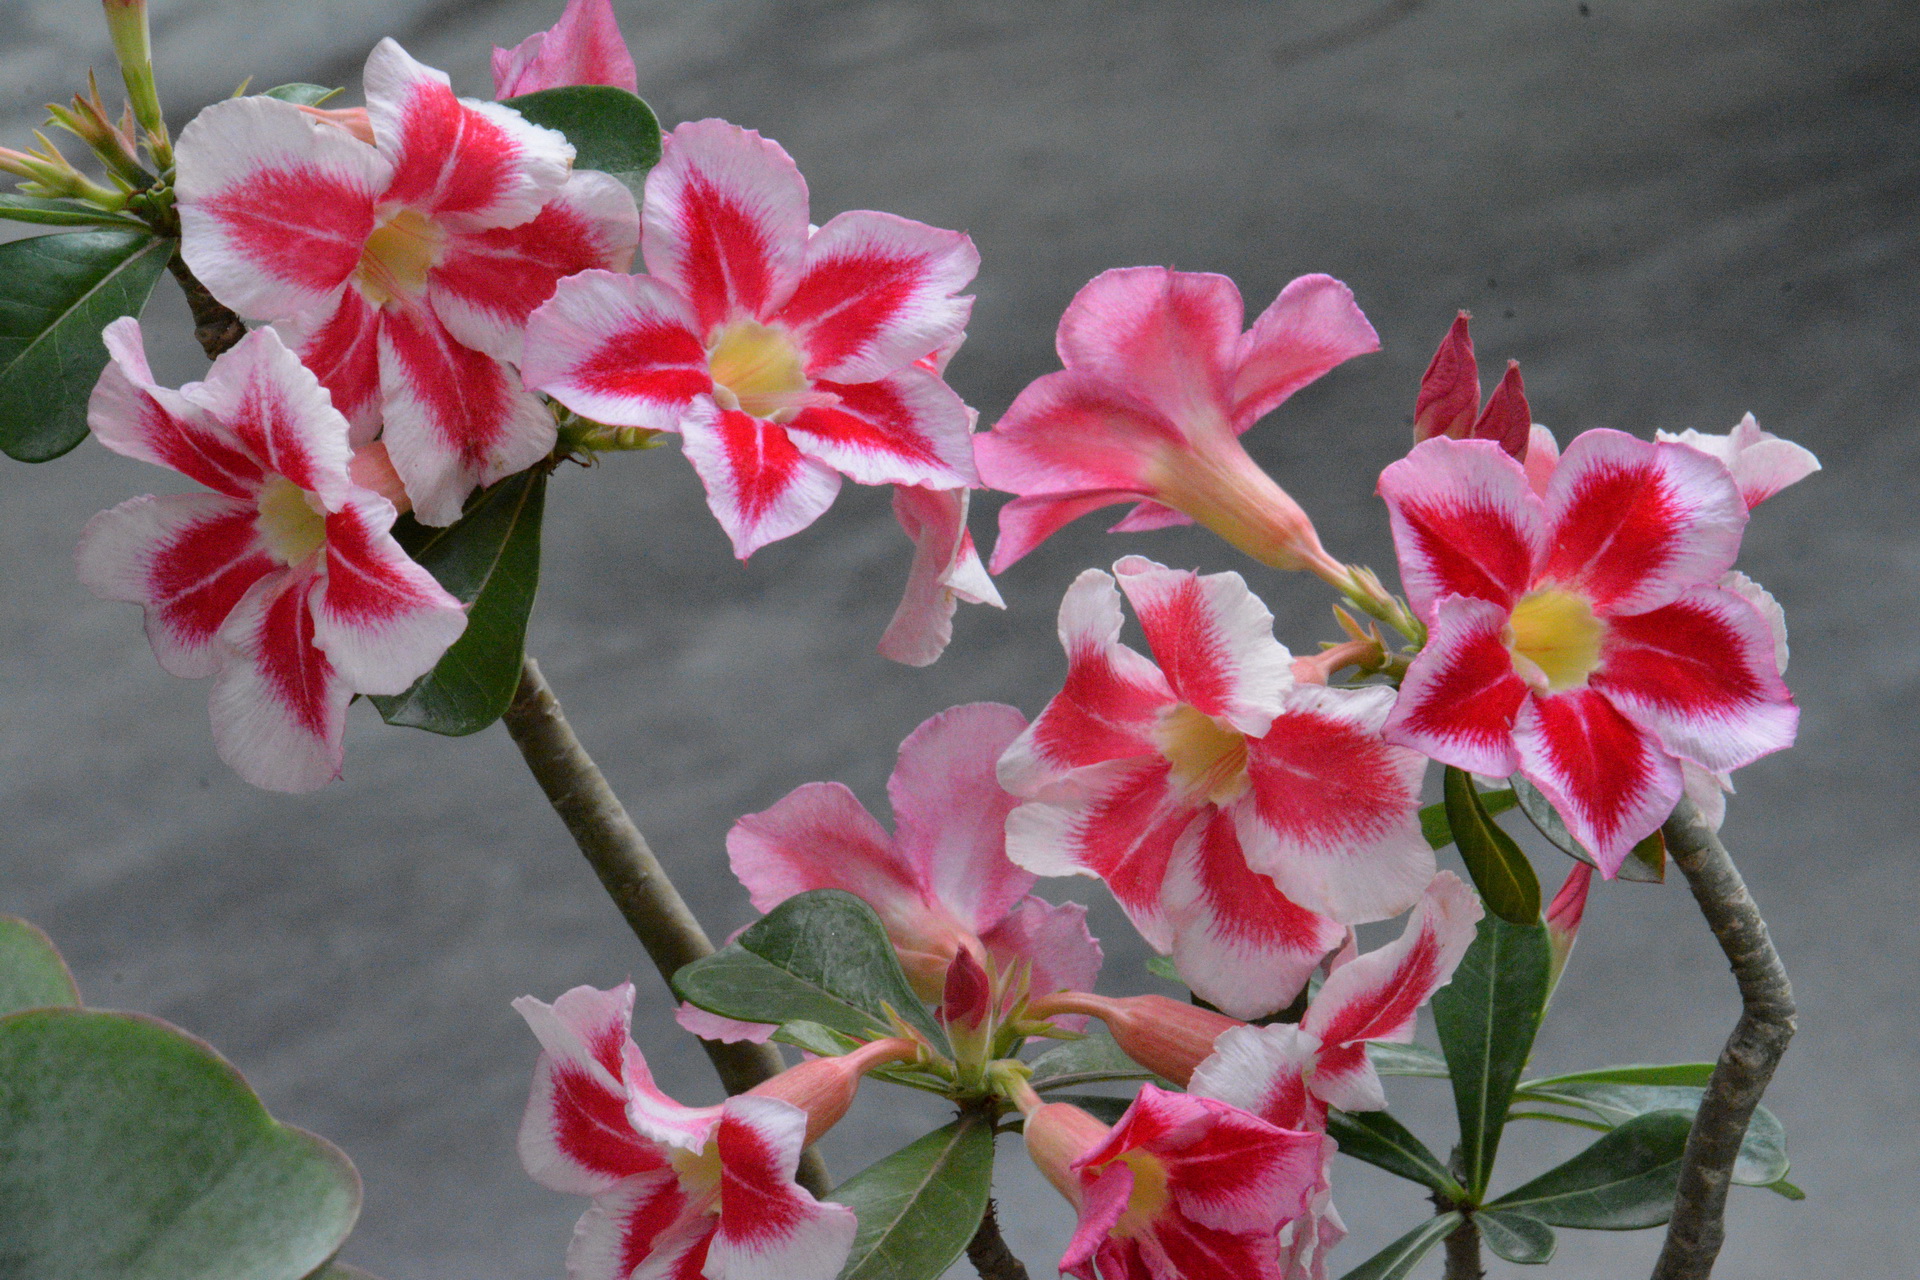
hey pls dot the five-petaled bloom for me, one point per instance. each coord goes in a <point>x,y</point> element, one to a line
<point>401,256</point>
<point>786,357</point>
<point>1159,384</point>
<point>1578,636</point>
<point>1239,817</point>
<point>284,581</point>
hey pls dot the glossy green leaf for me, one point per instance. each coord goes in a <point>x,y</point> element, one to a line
<point>32,974</point>
<point>1647,863</point>
<point>920,1205</point>
<point>1695,1074</point>
<point>1499,869</point>
<point>1397,1260</point>
<point>59,213</point>
<point>1487,1017</point>
<point>610,129</point>
<point>1623,1182</point>
<point>1515,1236</point>
<point>57,293</point>
<point>1406,1060</point>
<point>820,956</point>
<point>1382,1141</point>
<point>135,1152</point>
<point>1433,818</point>
<point>490,561</point>
<point>1102,1107</point>
<point>815,1039</point>
<point>302,95</point>
<point>1763,1152</point>
<point>1093,1059</point>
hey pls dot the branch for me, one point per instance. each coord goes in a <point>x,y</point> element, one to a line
<point>629,872</point>
<point>1697,1229</point>
<point>1463,1251</point>
<point>989,1253</point>
<point>216,327</point>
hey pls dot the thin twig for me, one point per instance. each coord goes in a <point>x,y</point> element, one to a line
<point>215,326</point>
<point>1463,1251</point>
<point>631,875</point>
<point>1697,1229</point>
<point>989,1253</point>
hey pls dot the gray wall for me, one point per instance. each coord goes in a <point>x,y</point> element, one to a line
<point>1669,213</point>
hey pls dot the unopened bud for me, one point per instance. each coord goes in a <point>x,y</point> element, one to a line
<point>1167,1037</point>
<point>1563,918</point>
<point>133,44</point>
<point>1450,389</point>
<point>824,1087</point>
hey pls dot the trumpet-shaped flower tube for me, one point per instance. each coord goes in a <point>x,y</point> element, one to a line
<point>283,583</point>
<point>584,47</point>
<point>1159,383</point>
<point>786,357</point>
<point>1579,637</point>
<point>1240,818</point>
<point>402,269</point>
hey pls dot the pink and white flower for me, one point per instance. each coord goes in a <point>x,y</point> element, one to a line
<point>681,1193</point>
<point>1761,463</point>
<point>584,47</point>
<point>402,269</point>
<point>1241,818</point>
<point>946,570</point>
<point>284,582</point>
<point>1159,384</point>
<point>786,357</point>
<point>1578,636</point>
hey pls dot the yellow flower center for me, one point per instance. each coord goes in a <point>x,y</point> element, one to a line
<point>1149,1197</point>
<point>397,257</point>
<point>291,521</point>
<point>1209,756</point>
<point>699,1173</point>
<point>758,370</point>
<point>1555,640</point>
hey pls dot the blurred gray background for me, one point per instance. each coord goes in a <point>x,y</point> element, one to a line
<point>1670,213</point>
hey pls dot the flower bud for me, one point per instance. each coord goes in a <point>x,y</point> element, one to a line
<point>1167,1037</point>
<point>1563,917</point>
<point>824,1087</point>
<point>1057,1134</point>
<point>133,44</point>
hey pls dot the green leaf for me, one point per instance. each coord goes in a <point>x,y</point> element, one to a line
<point>1397,1260</point>
<point>1787,1189</point>
<point>59,213</point>
<point>1433,818</point>
<point>920,1205</point>
<point>1623,1182</point>
<point>341,1271</point>
<point>1695,1074</point>
<point>135,1152</point>
<point>32,974</point>
<point>1406,1060</point>
<point>1382,1141</point>
<point>490,561</point>
<point>1763,1152</point>
<point>1647,863</point>
<point>820,956</point>
<point>302,95</point>
<point>1499,869</point>
<point>610,129</point>
<point>56,294</point>
<point>1487,1017</point>
<point>815,1039</point>
<point>1515,1236</point>
<point>1094,1059</point>
<point>1102,1107</point>
<point>1163,967</point>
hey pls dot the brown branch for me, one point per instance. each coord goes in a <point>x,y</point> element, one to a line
<point>215,326</point>
<point>989,1253</point>
<point>1697,1229</point>
<point>631,875</point>
<point>1463,1251</point>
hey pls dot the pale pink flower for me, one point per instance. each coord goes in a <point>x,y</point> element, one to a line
<point>946,570</point>
<point>402,271</point>
<point>1761,463</point>
<point>584,47</point>
<point>284,582</point>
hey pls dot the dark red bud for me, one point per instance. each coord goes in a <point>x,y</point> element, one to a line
<point>1507,418</point>
<point>1450,389</point>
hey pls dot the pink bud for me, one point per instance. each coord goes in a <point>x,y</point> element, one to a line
<point>1507,419</point>
<point>1167,1037</point>
<point>1450,389</point>
<point>1564,913</point>
<point>824,1087</point>
<point>967,1002</point>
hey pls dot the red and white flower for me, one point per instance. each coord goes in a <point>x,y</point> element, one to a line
<point>1578,636</point>
<point>785,356</point>
<point>681,1193</point>
<point>1241,818</point>
<point>284,582</point>
<point>1159,384</point>
<point>402,269</point>
<point>584,47</point>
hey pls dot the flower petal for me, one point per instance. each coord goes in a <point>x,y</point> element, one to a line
<point>279,413</point>
<point>679,1252</point>
<point>906,428</point>
<point>771,1228</point>
<point>627,1225</point>
<point>1263,1071</point>
<point>759,487</point>
<point>1054,940</point>
<point>1460,696</point>
<point>574,1135</point>
<point>1609,778</point>
<point>1762,464</point>
<point>1634,524</point>
<point>188,558</point>
<point>1103,1200</point>
<point>819,836</point>
<point>1464,523</point>
<point>1226,1169</point>
<point>1166,338</point>
<point>342,348</point>
<point>1542,460</point>
<point>1335,810</point>
<point>134,416</point>
<point>1311,327</point>
<point>1213,640</point>
<point>278,708</point>
<point>584,47</point>
<point>382,620</point>
<point>724,221</point>
<point>1025,523</point>
<point>946,569</point>
<point>711,1026</point>
<point>618,349</point>
<point>1070,433</point>
<point>275,206</point>
<point>950,811</point>
<point>1148,516</point>
<point>876,294</point>
<point>489,282</point>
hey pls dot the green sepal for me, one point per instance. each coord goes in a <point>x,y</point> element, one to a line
<point>920,1206</point>
<point>1499,869</point>
<point>1623,1182</point>
<point>1397,1260</point>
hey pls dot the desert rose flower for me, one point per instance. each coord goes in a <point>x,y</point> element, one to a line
<point>1761,463</point>
<point>284,582</point>
<point>1579,637</point>
<point>402,269</point>
<point>786,357</point>
<point>946,570</point>
<point>584,47</point>
<point>1159,384</point>
<point>1241,818</point>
